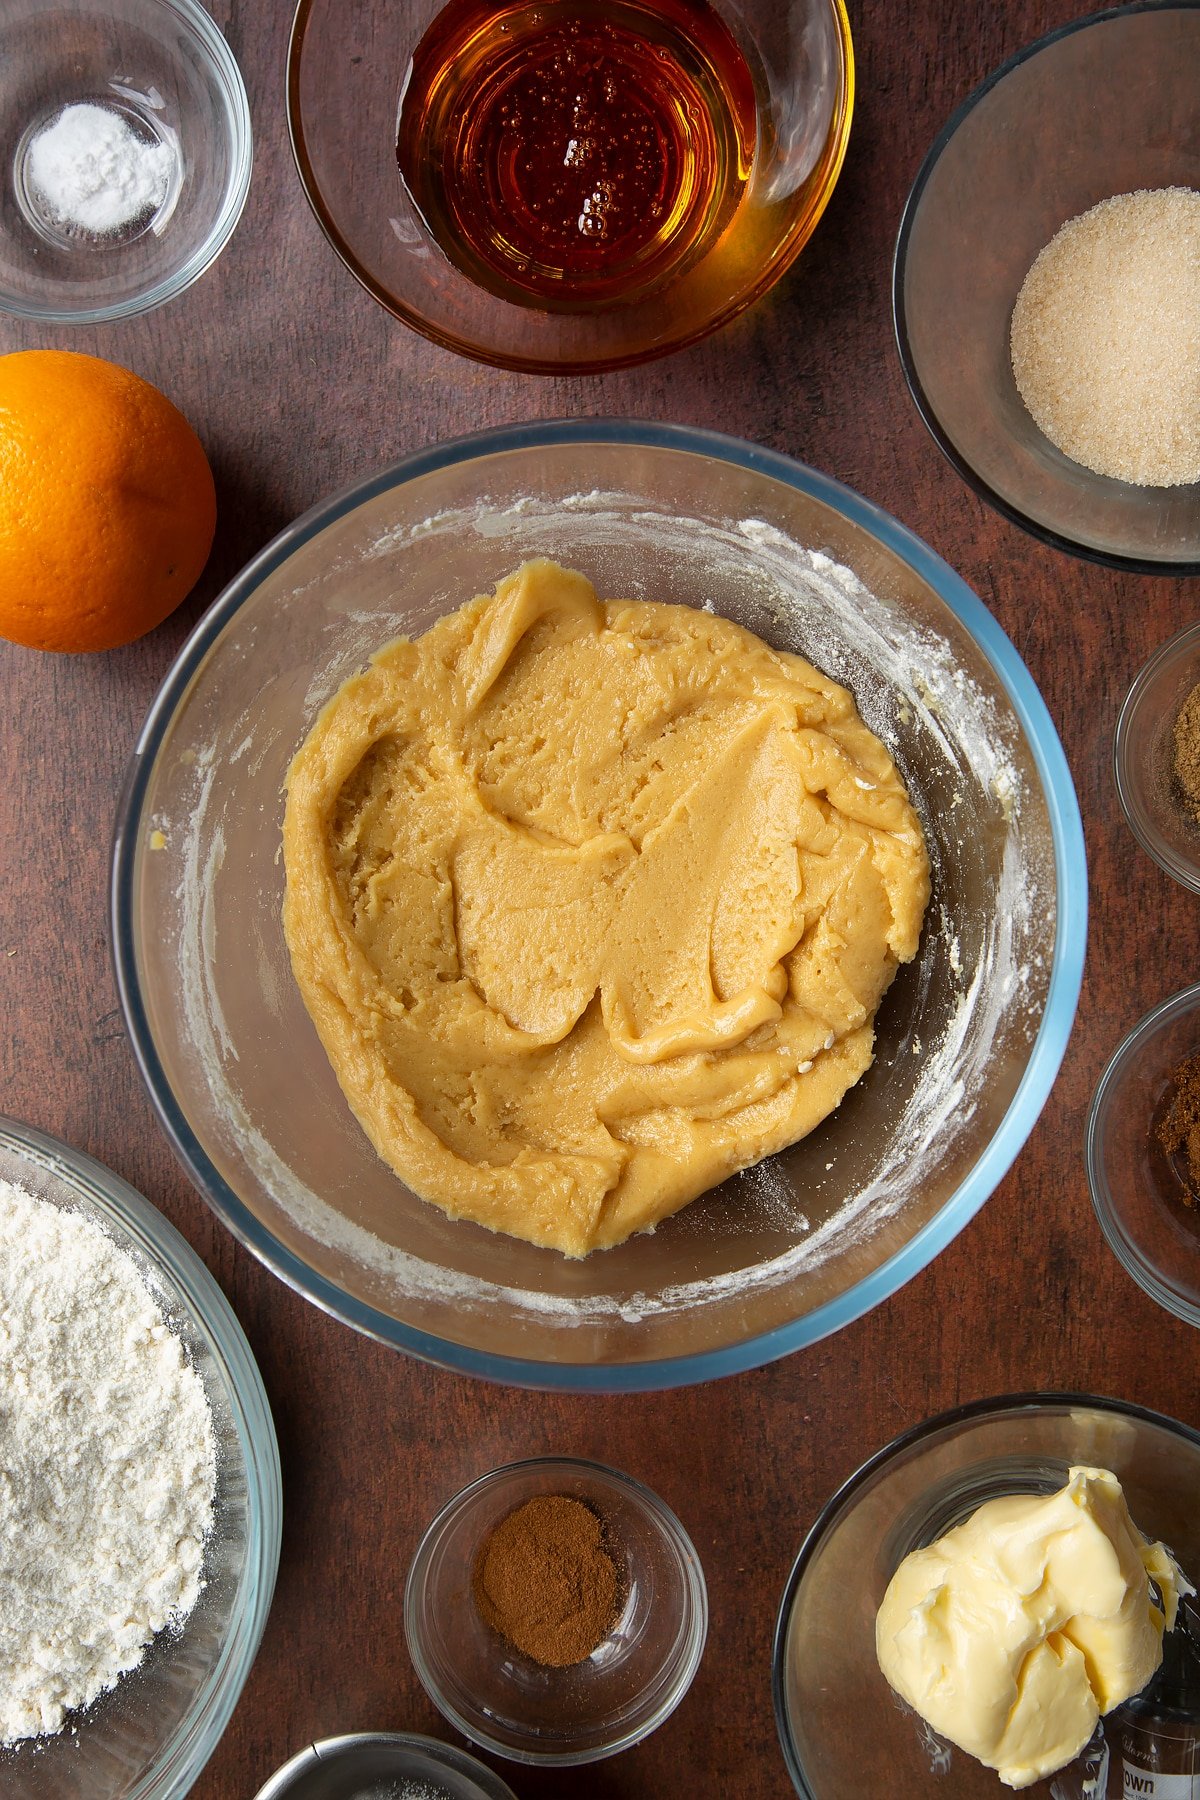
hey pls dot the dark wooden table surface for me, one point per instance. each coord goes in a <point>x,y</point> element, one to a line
<point>299,383</point>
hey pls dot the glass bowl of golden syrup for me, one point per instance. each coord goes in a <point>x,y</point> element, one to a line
<point>550,184</point>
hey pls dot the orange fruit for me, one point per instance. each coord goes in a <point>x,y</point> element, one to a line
<point>107,505</point>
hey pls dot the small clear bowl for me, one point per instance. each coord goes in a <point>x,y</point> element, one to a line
<point>1105,105</point>
<point>844,1734</point>
<point>1137,1194</point>
<point>163,66</point>
<point>149,1737</point>
<point>632,1681</point>
<point>340,1769</point>
<point>1143,757</point>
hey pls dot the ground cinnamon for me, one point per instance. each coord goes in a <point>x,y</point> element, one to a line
<point>544,1579</point>
<point>1186,744</point>
<point>1179,1129</point>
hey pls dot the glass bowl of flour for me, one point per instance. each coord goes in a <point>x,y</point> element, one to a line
<point>80,1244</point>
<point>125,155</point>
<point>967,1040</point>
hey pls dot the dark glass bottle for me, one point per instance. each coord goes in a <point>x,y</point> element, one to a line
<point>1155,1737</point>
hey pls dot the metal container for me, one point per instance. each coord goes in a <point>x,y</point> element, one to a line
<point>380,1765</point>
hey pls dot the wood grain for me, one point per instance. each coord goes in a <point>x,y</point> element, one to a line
<point>298,383</point>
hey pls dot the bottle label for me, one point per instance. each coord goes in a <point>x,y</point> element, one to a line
<point>1149,1784</point>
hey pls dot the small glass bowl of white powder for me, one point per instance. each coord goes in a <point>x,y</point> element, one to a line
<point>141,1483</point>
<point>125,155</point>
<point>1047,289</point>
<point>97,169</point>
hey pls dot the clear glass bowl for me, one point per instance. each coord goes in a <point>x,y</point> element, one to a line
<point>162,63</point>
<point>1104,106</point>
<point>346,70</point>
<point>632,1681</point>
<point>844,1733</point>
<point>151,1735</point>
<point>969,1038</point>
<point>1137,1194</point>
<point>340,1769</point>
<point>1143,758</point>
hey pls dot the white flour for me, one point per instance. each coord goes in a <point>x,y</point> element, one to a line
<point>407,1788</point>
<point>91,170</point>
<point>107,1466</point>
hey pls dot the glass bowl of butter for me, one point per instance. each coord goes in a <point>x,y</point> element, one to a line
<point>1021,1568</point>
<point>778,1252</point>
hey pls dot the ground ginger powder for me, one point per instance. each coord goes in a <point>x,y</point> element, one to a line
<point>1179,1127</point>
<point>545,1580</point>
<point>1185,744</point>
<point>1106,338</point>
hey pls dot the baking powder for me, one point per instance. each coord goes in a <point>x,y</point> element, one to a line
<point>89,169</point>
<point>107,1466</point>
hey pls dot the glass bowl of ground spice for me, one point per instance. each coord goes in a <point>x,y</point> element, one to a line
<point>1143,1154</point>
<point>125,155</point>
<point>1047,289</point>
<point>1156,757</point>
<point>556,1611</point>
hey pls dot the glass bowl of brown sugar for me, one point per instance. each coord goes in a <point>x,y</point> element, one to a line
<point>556,1611</point>
<point>1156,757</point>
<point>1143,1154</point>
<point>1054,220</point>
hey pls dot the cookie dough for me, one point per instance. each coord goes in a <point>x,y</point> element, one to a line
<point>592,904</point>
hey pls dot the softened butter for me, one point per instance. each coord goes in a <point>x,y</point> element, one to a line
<point>1014,1632</point>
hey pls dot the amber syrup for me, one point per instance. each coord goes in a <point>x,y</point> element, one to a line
<point>570,154</point>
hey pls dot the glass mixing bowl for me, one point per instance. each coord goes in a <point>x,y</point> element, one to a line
<point>164,66</point>
<point>346,71</point>
<point>970,1035</point>
<point>844,1734</point>
<point>1104,106</point>
<point>149,1737</point>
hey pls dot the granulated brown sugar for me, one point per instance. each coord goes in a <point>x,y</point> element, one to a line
<point>545,1581</point>
<point>1185,744</point>
<point>1106,338</point>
